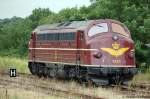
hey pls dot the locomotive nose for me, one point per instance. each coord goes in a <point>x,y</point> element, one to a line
<point>113,51</point>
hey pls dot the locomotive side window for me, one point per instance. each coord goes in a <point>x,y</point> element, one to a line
<point>67,36</point>
<point>56,36</point>
<point>117,28</point>
<point>98,28</point>
<point>53,36</point>
<point>71,36</point>
<point>43,37</point>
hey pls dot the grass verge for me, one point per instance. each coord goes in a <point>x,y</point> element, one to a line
<point>23,94</point>
<point>10,62</point>
<point>142,78</point>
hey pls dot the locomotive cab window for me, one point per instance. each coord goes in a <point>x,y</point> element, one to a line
<point>117,28</point>
<point>98,28</point>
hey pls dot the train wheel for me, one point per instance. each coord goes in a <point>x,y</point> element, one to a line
<point>48,73</point>
<point>45,74</point>
<point>40,70</point>
<point>72,73</point>
<point>52,72</point>
<point>33,68</point>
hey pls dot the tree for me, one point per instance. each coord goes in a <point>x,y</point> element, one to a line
<point>38,14</point>
<point>15,32</point>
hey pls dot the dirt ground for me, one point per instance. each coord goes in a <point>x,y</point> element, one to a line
<point>32,87</point>
<point>17,93</point>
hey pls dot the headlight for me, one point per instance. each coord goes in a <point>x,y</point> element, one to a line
<point>132,53</point>
<point>115,37</point>
<point>97,54</point>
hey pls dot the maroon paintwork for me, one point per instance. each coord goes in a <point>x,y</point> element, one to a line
<point>83,41</point>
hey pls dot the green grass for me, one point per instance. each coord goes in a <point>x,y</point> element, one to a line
<point>141,78</point>
<point>10,62</point>
<point>22,66</point>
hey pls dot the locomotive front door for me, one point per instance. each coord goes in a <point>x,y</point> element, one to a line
<point>56,45</point>
<point>79,53</point>
<point>33,45</point>
<point>80,47</point>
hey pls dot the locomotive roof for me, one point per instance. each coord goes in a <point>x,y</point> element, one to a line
<point>72,26</point>
<point>64,26</point>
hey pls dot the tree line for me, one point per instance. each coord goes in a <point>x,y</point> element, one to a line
<point>135,14</point>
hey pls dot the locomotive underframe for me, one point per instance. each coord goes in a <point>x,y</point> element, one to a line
<point>97,75</point>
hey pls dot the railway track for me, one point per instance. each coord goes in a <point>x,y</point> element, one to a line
<point>134,92</point>
<point>30,82</point>
<point>46,86</point>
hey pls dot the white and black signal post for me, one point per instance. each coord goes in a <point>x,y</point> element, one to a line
<point>12,72</point>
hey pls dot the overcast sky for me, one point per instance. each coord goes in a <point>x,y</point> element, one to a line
<point>23,8</point>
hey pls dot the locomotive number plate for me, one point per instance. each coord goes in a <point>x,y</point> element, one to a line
<point>116,61</point>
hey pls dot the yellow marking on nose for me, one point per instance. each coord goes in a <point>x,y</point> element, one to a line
<point>115,53</point>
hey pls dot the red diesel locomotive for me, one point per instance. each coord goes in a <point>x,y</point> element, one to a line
<point>100,51</point>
